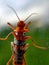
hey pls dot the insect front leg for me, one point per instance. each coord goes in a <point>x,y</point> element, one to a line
<point>6,36</point>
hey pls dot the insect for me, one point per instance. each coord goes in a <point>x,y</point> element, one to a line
<point>19,45</point>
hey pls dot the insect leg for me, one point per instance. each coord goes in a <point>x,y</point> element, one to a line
<point>37,46</point>
<point>26,46</point>
<point>6,36</point>
<point>27,37</point>
<point>41,47</point>
<point>11,26</point>
<point>8,63</point>
<point>27,24</point>
<point>24,62</point>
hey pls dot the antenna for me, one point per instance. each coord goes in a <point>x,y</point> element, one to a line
<point>30,15</point>
<point>14,12</point>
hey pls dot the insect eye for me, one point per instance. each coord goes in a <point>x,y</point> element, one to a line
<point>24,34</point>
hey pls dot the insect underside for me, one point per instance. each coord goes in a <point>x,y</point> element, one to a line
<point>19,45</point>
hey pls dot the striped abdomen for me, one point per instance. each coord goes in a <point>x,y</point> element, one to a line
<point>18,55</point>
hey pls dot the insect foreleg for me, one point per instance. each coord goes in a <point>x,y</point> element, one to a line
<point>6,36</point>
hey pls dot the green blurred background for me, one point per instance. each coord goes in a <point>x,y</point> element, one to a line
<point>33,56</point>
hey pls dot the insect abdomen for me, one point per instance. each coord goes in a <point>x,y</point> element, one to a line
<point>18,56</point>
